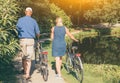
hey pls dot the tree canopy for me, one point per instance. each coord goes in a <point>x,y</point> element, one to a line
<point>104,11</point>
<point>90,11</point>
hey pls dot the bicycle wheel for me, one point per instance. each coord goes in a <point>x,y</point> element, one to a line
<point>69,64</point>
<point>40,63</point>
<point>78,69</point>
<point>45,68</point>
<point>44,65</point>
<point>36,55</point>
<point>45,74</point>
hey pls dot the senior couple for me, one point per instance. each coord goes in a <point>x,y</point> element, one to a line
<point>28,29</point>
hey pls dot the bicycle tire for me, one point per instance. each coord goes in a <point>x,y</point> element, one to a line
<point>45,74</point>
<point>69,64</point>
<point>40,63</point>
<point>79,69</point>
<point>45,68</point>
<point>36,55</point>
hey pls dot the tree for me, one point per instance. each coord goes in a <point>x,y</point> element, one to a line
<point>104,11</point>
<point>75,8</point>
<point>8,40</point>
<point>56,11</point>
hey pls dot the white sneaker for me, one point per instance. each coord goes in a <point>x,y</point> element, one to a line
<point>58,76</point>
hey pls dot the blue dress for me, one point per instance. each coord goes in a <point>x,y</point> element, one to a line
<point>59,44</point>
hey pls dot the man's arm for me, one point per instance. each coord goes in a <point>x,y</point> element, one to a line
<point>37,31</point>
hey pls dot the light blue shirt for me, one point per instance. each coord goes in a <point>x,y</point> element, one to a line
<point>27,27</point>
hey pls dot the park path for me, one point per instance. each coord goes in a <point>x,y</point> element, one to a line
<point>37,78</point>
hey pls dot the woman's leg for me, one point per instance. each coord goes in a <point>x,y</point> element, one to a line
<point>58,65</point>
<point>60,62</point>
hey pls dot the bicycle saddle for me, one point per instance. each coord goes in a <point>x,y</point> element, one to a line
<point>74,47</point>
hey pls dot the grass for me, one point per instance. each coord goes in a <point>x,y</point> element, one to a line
<point>93,73</point>
<point>88,77</point>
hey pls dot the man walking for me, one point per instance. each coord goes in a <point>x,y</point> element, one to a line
<point>28,29</point>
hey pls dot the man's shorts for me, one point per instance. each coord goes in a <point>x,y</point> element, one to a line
<point>27,48</point>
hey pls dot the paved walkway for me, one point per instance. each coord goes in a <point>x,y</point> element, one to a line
<point>37,78</point>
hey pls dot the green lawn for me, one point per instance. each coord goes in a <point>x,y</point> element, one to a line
<point>92,73</point>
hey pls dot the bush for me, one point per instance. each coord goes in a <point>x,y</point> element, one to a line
<point>108,73</point>
<point>59,12</point>
<point>102,48</point>
<point>8,40</point>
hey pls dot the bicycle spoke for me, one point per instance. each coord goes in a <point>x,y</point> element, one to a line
<point>69,65</point>
<point>79,69</point>
<point>45,67</point>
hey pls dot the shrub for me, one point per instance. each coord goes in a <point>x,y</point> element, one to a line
<point>8,41</point>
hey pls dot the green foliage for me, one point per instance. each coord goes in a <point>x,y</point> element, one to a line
<point>104,11</point>
<point>46,13</point>
<point>101,50</point>
<point>8,17</point>
<point>99,45</point>
<point>59,12</point>
<point>76,9</point>
<point>115,32</point>
<point>92,33</point>
<point>108,73</point>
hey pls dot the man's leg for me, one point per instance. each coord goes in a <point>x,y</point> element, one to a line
<point>24,53</point>
<point>30,53</point>
<point>24,65</point>
<point>28,67</point>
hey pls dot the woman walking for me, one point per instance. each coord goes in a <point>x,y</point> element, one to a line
<point>58,43</point>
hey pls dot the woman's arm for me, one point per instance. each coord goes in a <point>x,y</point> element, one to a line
<point>52,33</point>
<point>70,35</point>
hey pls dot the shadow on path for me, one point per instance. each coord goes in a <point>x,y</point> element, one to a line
<point>7,73</point>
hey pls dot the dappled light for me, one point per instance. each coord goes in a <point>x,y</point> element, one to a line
<point>95,24</point>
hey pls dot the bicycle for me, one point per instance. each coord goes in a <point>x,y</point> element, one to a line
<point>74,63</point>
<point>41,57</point>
